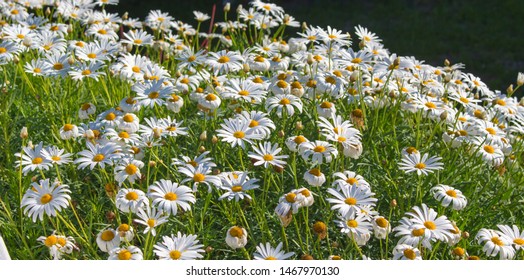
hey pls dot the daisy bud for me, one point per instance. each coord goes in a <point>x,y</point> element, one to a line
<point>281,134</point>
<point>320,229</point>
<point>47,11</point>
<point>216,171</point>
<point>446,62</point>
<point>520,79</point>
<point>335,244</point>
<point>246,68</point>
<point>201,149</point>
<point>157,132</point>
<point>23,133</point>
<point>307,257</point>
<point>393,203</point>
<point>71,60</point>
<point>473,258</point>
<point>299,125</point>
<point>90,134</point>
<point>396,62</point>
<point>510,90</point>
<point>167,56</point>
<point>239,8</point>
<point>152,163</point>
<point>304,25</point>
<point>129,47</point>
<point>447,78</point>
<point>278,169</point>
<point>444,116</point>
<point>354,77</point>
<point>465,235</point>
<point>203,136</point>
<point>30,145</point>
<point>110,216</point>
<point>236,237</point>
<point>69,28</point>
<point>125,16</point>
<point>16,60</point>
<point>362,44</point>
<point>209,249</point>
<point>27,41</point>
<point>214,139</point>
<point>521,102</point>
<point>310,59</point>
<point>110,189</point>
<point>227,7</point>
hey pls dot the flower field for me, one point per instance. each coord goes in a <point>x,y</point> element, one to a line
<point>251,136</point>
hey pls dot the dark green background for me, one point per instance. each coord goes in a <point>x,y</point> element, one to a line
<point>487,36</point>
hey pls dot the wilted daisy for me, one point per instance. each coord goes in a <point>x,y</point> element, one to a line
<point>150,218</point>
<point>448,195</point>
<point>315,177</point>
<point>126,232</point>
<point>45,198</point>
<point>495,243</point>
<point>179,247</point>
<point>423,166</point>
<point>68,131</point>
<point>126,253</point>
<point>130,200</point>
<point>406,252</point>
<point>266,154</point>
<point>381,227</point>
<point>236,237</point>
<point>107,239</point>
<point>267,252</point>
<point>168,196</point>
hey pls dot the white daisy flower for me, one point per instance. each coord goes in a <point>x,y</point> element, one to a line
<point>168,196</point>
<point>267,252</point>
<point>45,198</point>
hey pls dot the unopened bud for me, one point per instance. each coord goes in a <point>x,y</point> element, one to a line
<point>71,60</point>
<point>16,59</point>
<point>157,132</point>
<point>362,44</point>
<point>310,59</point>
<point>69,28</point>
<point>203,136</point>
<point>90,134</point>
<point>246,68</point>
<point>299,125</point>
<point>23,133</point>
<point>216,171</point>
<point>278,169</point>
<point>510,90</point>
<point>125,16</point>
<point>110,216</point>
<point>444,115</point>
<point>396,62</point>
<point>210,249</point>
<point>152,163</point>
<point>281,134</point>
<point>520,79</point>
<point>393,203</point>
<point>227,7</point>
<point>304,25</point>
<point>447,78</point>
<point>307,257</point>
<point>239,8</point>
<point>354,77</point>
<point>465,235</point>
<point>446,62</point>
<point>214,139</point>
<point>47,11</point>
<point>129,47</point>
<point>201,149</point>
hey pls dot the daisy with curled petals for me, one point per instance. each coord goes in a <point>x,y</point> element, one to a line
<point>266,154</point>
<point>126,253</point>
<point>107,239</point>
<point>289,203</point>
<point>236,237</point>
<point>68,131</point>
<point>168,196</point>
<point>422,165</point>
<point>514,234</point>
<point>236,186</point>
<point>281,102</point>
<point>315,177</point>
<point>179,247</point>
<point>224,61</point>
<point>355,225</point>
<point>45,198</point>
<point>200,175</point>
<point>58,245</point>
<point>350,198</point>
<point>128,168</point>
<point>150,218</point>
<point>293,142</point>
<point>266,252</point>
<point>495,243</point>
<point>448,195</point>
<point>351,178</point>
<point>319,151</point>
<point>439,227</point>
<point>32,158</point>
<point>130,200</point>
<point>100,155</point>
<point>406,252</point>
<point>412,234</point>
<point>237,132</point>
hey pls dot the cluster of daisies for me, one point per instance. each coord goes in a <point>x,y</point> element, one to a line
<point>252,95</point>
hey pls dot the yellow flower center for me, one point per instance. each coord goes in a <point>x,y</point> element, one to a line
<point>137,41</point>
<point>315,171</point>
<point>491,130</point>
<point>330,80</point>
<point>352,223</point>
<point>418,232</point>
<point>290,197</point>
<point>20,36</point>
<point>58,66</point>
<point>123,227</point>
<point>123,134</point>
<point>170,196</point>
<point>211,97</point>
<point>336,258</point>
<point>131,195</point>
<point>135,69</point>
<point>518,241</point>
<point>430,225</point>
<point>430,105</point>
<point>381,222</point>
<point>175,254</point>
<point>223,59</point>
<point>124,255</point>
<point>56,158</point>
<point>299,139</point>
<point>61,241</point>
<point>268,157</point>
<point>92,55</point>
<point>270,259</point>
<point>236,232</point>
<point>107,235</point>
<point>98,158</point>
<point>86,72</point>
<point>128,118</point>
<point>131,169</point>
<point>410,254</point>
<point>420,165</point>
<point>489,149</point>
<point>356,60</point>
<point>462,132</point>
<point>50,240</point>
<point>341,139</point>
<point>351,181</point>
<point>3,50</point>
<point>151,222</point>
<point>282,84</point>
<point>153,95</point>
<point>350,201</point>
<point>199,177</point>
<point>497,241</point>
<point>500,102</point>
<point>191,58</point>
<point>243,93</point>
<point>259,59</point>
<point>464,100</point>
<point>236,188</point>
<point>326,105</point>
<point>305,193</point>
<point>319,149</point>
<point>451,193</point>
<point>102,31</point>
<point>37,160</point>
<point>239,134</point>
<point>458,251</point>
<point>37,70</point>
